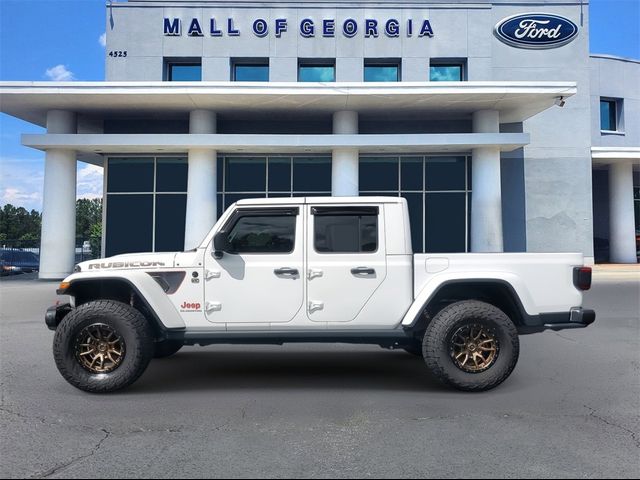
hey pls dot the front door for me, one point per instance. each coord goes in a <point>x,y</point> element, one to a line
<point>260,280</point>
<point>346,261</point>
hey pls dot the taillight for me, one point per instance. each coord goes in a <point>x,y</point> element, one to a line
<point>582,278</point>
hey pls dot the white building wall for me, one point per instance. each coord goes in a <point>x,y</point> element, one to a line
<point>556,198</point>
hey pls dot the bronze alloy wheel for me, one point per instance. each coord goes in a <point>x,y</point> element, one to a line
<point>474,348</point>
<point>99,348</point>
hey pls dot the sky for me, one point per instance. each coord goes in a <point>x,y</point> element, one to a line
<point>63,40</point>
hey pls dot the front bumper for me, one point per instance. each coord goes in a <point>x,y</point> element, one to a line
<point>577,317</point>
<point>55,314</point>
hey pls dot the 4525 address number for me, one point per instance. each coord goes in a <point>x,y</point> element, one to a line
<point>118,53</point>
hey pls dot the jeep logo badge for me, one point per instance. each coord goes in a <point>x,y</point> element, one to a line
<point>536,31</point>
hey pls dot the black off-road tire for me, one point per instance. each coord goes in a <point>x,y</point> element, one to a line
<point>128,322</point>
<point>166,348</point>
<point>437,346</point>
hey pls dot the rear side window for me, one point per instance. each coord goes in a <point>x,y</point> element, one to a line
<point>263,234</point>
<point>345,230</point>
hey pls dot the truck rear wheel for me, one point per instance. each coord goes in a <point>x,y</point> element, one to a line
<point>103,346</point>
<point>471,345</point>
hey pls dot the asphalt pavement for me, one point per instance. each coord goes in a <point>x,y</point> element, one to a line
<point>571,409</point>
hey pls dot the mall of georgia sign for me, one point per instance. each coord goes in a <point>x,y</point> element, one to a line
<point>536,31</point>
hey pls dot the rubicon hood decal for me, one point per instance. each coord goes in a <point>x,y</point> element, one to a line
<point>133,264</point>
<point>536,31</point>
<point>130,261</point>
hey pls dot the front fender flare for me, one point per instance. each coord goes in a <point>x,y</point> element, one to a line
<point>145,287</point>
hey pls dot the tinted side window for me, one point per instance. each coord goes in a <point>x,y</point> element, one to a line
<point>263,234</point>
<point>351,232</point>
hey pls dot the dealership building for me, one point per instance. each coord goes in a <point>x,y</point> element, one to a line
<point>490,117</point>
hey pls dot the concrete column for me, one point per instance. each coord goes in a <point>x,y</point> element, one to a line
<point>58,243</point>
<point>344,162</point>
<point>486,198</point>
<point>202,208</point>
<point>622,240</point>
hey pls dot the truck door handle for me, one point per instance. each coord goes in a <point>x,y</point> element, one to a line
<point>315,306</point>
<point>286,271</point>
<point>362,271</point>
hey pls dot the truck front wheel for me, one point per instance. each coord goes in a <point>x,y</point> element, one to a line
<point>471,345</point>
<point>103,346</point>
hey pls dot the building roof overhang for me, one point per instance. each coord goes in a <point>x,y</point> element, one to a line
<point>612,155</point>
<point>89,144</point>
<point>516,101</point>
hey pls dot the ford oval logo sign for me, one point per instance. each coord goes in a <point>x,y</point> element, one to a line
<point>536,30</point>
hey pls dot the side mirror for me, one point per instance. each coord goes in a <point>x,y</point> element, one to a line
<point>220,244</point>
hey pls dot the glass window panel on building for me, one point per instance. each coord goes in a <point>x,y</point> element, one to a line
<point>245,174</point>
<point>412,173</point>
<point>184,72</point>
<point>445,222</point>
<point>312,174</point>
<point>251,72</point>
<point>317,72</point>
<point>415,202</point>
<point>446,73</point>
<point>231,198</point>
<point>381,73</point>
<point>279,177</point>
<point>445,173</point>
<point>220,204</point>
<point>171,174</point>
<point>379,173</point>
<point>129,223</point>
<point>608,115</point>
<point>427,184</point>
<point>130,174</point>
<point>171,210</point>
<point>279,174</point>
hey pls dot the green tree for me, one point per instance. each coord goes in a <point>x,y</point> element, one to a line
<point>88,214</point>
<point>89,223</point>
<point>22,228</point>
<point>16,223</point>
<point>96,239</point>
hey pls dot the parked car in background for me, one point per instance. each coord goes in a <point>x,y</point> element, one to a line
<point>14,261</point>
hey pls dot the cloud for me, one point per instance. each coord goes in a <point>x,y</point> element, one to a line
<point>22,180</point>
<point>89,182</point>
<point>16,197</point>
<point>59,73</point>
<point>102,40</point>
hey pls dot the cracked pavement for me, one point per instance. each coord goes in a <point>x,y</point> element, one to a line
<point>571,408</point>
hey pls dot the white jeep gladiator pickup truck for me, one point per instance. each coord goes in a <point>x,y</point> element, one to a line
<point>336,269</point>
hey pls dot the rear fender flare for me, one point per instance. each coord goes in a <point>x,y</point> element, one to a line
<point>433,286</point>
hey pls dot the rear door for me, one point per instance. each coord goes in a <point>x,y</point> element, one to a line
<point>346,261</point>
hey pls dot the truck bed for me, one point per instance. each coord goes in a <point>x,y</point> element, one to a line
<point>543,281</point>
